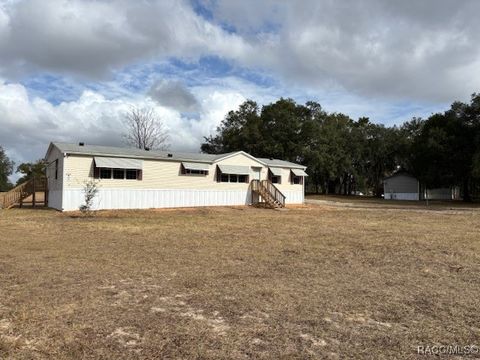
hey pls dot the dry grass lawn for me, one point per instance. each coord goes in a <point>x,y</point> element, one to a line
<point>227,283</point>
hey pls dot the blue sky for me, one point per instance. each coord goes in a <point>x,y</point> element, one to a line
<point>71,69</point>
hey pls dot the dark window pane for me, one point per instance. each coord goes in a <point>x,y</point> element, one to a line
<point>105,173</point>
<point>233,178</point>
<point>131,174</point>
<point>276,179</point>
<point>195,172</point>
<point>224,178</point>
<point>118,173</point>
<point>242,178</point>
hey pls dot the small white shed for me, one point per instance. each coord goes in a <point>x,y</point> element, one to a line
<point>401,186</point>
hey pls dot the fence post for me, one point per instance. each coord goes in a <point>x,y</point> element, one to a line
<point>34,192</point>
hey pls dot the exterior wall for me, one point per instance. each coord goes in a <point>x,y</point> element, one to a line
<point>121,198</point>
<point>55,186</point>
<point>401,187</point>
<point>294,193</point>
<point>439,194</point>
<point>401,196</point>
<point>163,185</point>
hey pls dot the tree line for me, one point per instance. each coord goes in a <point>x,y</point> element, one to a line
<point>343,155</point>
<point>347,156</point>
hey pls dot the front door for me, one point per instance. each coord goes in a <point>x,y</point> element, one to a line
<point>257,171</point>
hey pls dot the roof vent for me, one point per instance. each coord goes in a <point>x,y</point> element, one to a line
<point>81,144</point>
<point>170,155</point>
<point>147,149</point>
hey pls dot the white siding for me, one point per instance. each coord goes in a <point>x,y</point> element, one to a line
<point>401,184</point>
<point>55,185</point>
<point>401,196</point>
<point>294,193</point>
<point>293,196</point>
<point>439,194</point>
<point>156,198</point>
<point>401,187</point>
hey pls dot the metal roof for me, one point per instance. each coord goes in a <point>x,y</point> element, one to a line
<point>281,163</point>
<point>135,153</point>
<point>195,166</point>
<point>118,163</point>
<point>299,172</point>
<point>276,171</point>
<point>114,151</point>
<point>234,169</point>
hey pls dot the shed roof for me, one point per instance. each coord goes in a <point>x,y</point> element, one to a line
<point>400,173</point>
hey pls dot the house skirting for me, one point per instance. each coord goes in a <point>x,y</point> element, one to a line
<point>72,199</point>
<point>55,199</point>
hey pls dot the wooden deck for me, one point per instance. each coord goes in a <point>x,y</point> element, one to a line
<point>32,192</point>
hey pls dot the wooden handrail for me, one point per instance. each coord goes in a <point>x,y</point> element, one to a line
<point>269,192</point>
<point>22,191</point>
<point>272,189</point>
<point>14,195</point>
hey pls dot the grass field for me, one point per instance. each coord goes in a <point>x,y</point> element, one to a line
<point>237,283</point>
<point>361,201</point>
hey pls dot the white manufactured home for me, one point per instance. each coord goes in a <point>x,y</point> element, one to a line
<point>140,179</point>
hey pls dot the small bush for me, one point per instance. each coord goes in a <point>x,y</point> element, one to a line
<point>90,191</point>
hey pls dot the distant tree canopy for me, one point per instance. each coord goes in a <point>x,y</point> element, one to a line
<point>344,156</point>
<point>31,170</point>
<point>447,149</point>
<point>6,169</point>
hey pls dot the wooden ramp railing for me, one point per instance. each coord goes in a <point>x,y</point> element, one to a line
<point>29,188</point>
<point>268,192</point>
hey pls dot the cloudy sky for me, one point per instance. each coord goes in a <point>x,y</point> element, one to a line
<point>70,70</point>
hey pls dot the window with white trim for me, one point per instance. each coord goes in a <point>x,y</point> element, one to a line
<point>118,174</point>
<point>297,180</point>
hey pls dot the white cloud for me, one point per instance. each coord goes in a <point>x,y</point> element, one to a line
<point>362,58</point>
<point>28,125</point>
<point>402,49</point>
<point>406,49</point>
<point>92,37</point>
